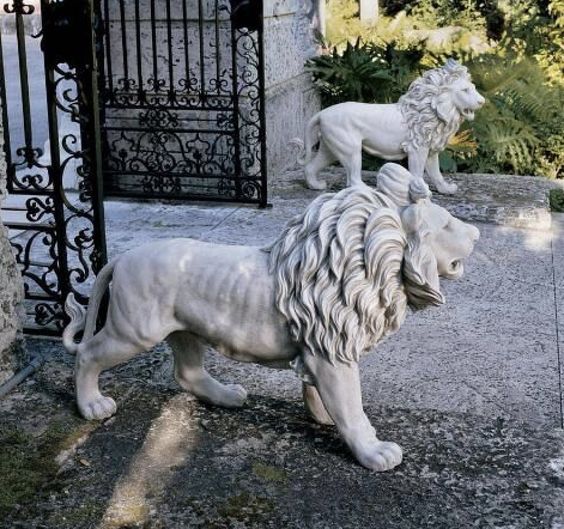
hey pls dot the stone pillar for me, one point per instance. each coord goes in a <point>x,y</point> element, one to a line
<point>368,11</point>
<point>289,31</point>
<point>11,294</point>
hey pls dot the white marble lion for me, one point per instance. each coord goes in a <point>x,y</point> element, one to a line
<point>418,127</point>
<point>340,276</point>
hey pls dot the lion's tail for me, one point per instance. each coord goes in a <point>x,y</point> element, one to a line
<point>306,146</point>
<point>86,319</point>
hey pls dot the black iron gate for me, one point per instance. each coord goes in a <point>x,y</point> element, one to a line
<point>141,98</point>
<point>48,82</point>
<point>183,100</point>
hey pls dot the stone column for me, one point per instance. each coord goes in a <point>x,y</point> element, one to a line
<point>368,11</point>
<point>11,294</point>
<point>291,100</point>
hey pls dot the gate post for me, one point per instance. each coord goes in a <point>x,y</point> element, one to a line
<point>291,100</point>
<point>11,293</point>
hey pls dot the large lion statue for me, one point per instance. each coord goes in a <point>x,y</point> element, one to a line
<point>418,127</point>
<point>340,276</point>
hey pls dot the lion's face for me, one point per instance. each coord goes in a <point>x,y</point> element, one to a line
<point>450,239</point>
<point>437,246</point>
<point>465,98</point>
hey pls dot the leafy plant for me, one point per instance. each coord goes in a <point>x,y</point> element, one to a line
<point>460,147</point>
<point>519,129</point>
<point>520,72</point>
<point>364,72</point>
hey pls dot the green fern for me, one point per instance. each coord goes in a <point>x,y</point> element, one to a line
<point>522,112</point>
<point>510,142</point>
<point>512,48</point>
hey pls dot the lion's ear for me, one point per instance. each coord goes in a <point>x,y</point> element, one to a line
<point>420,273</point>
<point>443,106</point>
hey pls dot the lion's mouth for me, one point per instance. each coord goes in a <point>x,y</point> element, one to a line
<point>468,114</point>
<point>455,269</point>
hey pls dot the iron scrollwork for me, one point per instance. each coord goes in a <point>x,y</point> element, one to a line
<point>56,234</point>
<point>184,116</point>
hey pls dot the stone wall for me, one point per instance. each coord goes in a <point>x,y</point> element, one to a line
<point>290,98</point>
<point>11,293</point>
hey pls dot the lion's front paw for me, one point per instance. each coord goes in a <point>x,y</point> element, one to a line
<point>234,396</point>
<point>381,456</point>
<point>97,408</point>
<point>316,184</point>
<point>444,188</point>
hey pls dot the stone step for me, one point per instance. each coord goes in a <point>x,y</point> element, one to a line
<point>508,200</point>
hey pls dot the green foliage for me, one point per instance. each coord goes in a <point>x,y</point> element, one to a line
<point>364,72</point>
<point>513,49</point>
<point>519,129</point>
<point>556,200</point>
<point>460,147</point>
<point>416,26</point>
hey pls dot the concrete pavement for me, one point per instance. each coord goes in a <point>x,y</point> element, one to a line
<point>471,390</point>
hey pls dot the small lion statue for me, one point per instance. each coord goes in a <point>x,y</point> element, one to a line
<point>340,276</point>
<point>418,127</point>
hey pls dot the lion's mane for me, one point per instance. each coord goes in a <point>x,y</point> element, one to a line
<point>341,280</point>
<point>419,107</point>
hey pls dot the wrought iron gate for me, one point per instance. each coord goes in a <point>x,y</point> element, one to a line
<point>51,133</point>
<point>175,110</point>
<point>183,100</point>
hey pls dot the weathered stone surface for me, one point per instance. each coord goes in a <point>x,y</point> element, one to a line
<point>173,462</point>
<point>290,98</point>
<point>288,44</point>
<point>289,106</point>
<point>517,201</point>
<point>11,292</point>
<point>478,413</point>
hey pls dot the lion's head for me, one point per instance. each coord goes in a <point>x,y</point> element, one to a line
<point>349,266</point>
<point>436,104</point>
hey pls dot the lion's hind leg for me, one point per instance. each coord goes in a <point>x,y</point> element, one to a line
<point>190,373</point>
<point>101,352</point>
<point>347,149</point>
<point>322,159</point>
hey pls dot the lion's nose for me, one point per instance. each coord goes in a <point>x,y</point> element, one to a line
<point>481,100</point>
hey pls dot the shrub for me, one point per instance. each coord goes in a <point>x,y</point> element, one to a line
<point>520,73</point>
<point>519,129</point>
<point>364,72</point>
